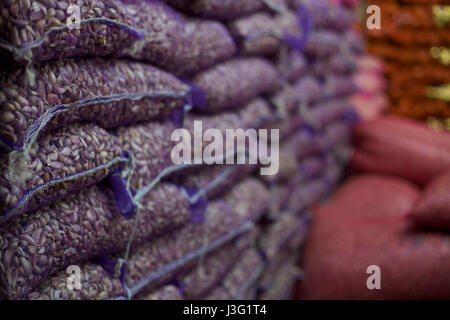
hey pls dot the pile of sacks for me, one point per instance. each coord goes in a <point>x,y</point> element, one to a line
<point>385,233</point>
<point>92,205</point>
<point>414,39</point>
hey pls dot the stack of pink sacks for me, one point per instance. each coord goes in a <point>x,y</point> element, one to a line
<point>386,232</point>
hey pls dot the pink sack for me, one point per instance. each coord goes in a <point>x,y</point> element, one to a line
<point>433,207</point>
<point>374,196</point>
<point>400,147</point>
<point>345,240</point>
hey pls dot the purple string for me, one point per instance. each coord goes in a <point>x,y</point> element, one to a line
<point>25,198</point>
<point>122,195</point>
<point>197,96</point>
<point>177,117</point>
<point>197,209</point>
<point>305,24</point>
<point>351,116</point>
<point>109,265</point>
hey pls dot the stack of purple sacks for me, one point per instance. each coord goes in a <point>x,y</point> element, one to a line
<point>92,204</point>
<point>319,150</point>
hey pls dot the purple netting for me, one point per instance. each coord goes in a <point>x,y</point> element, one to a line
<point>242,277</point>
<point>323,114</point>
<point>212,181</point>
<point>150,145</point>
<point>110,93</point>
<point>212,268</point>
<point>277,235</point>
<point>218,9</point>
<point>166,257</point>
<point>304,92</point>
<point>236,82</point>
<point>326,15</point>
<point>58,164</point>
<point>335,134</point>
<point>263,34</point>
<point>337,86</point>
<point>258,34</point>
<point>37,31</point>
<point>280,194</point>
<point>92,226</point>
<point>308,194</point>
<point>256,113</point>
<point>169,292</point>
<point>287,126</point>
<point>311,167</point>
<point>322,44</point>
<point>175,43</point>
<point>292,65</point>
<point>280,281</point>
<point>305,143</point>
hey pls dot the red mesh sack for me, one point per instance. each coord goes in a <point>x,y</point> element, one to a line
<point>400,147</point>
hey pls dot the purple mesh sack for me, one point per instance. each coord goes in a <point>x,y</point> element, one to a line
<point>309,194</point>
<point>212,181</point>
<point>218,293</point>
<point>218,9</point>
<point>304,92</point>
<point>288,166</point>
<point>336,64</point>
<point>110,93</point>
<point>334,170</point>
<point>355,42</point>
<point>321,115</point>
<point>337,86</point>
<point>288,100</point>
<point>244,274</point>
<point>253,115</point>
<point>280,193</point>
<point>306,143</point>
<point>264,34</point>
<point>150,145</point>
<point>295,28</point>
<point>335,134</point>
<point>291,64</point>
<point>169,292</point>
<point>236,82</point>
<point>96,282</point>
<point>326,15</point>
<point>342,63</point>
<point>223,220</point>
<point>221,122</point>
<point>310,88</point>
<point>312,166</point>
<point>322,44</point>
<point>82,226</point>
<point>176,43</point>
<point>280,281</point>
<point>275,236</point>
<point>58,164</point>
<point>318,10</point>
<point>212,269</point>
<point>256,113</point>
<point>288,126</point>
<point>40,30</point>
<point>257,34</point>
<point>340,18</point>
<point>160,260</point>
